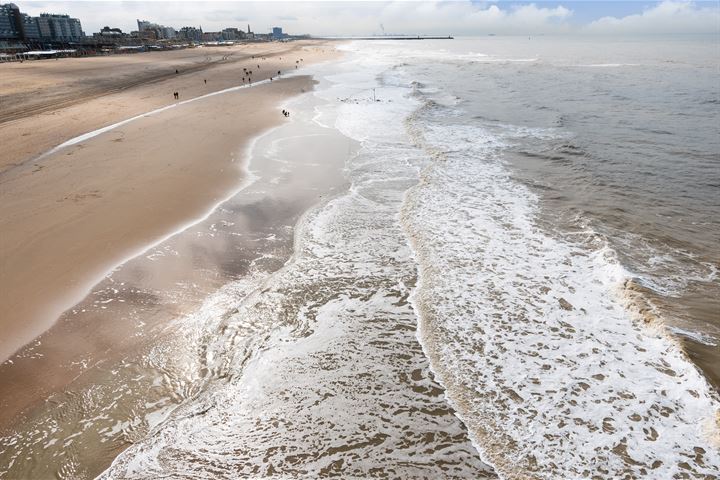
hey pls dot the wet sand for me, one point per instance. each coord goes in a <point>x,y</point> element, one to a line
<point>67,218</point>
<point>128,353</point>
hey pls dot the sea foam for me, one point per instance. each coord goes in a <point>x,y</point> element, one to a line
<point>530,335</point>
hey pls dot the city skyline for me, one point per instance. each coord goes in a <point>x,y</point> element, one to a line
<point>368,18</point>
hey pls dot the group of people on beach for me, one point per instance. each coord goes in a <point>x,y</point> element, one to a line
<point>285,113</point>
<point>248,74</point>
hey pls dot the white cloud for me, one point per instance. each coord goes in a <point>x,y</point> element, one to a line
<point>465,18</point>
<point>365,17</point>
<point>667,17</point>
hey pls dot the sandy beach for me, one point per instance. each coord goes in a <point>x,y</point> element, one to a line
<point>69,217</point>
<point>43,103</point>
<point>107,345</point>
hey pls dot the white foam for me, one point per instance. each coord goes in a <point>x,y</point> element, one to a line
<point>609,65</point>
<point>313,357</point>
<point>530,336</point>
<point>529,333</point>
<point>699,337</point>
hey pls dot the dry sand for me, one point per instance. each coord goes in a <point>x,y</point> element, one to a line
<point>69,217</point>
<point>43,103</point>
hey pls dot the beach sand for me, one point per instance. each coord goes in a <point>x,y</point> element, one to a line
<point>43,103</point>
<point>127,352</point>
<point>69,217</point>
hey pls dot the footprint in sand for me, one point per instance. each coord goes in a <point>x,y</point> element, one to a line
<point>79,197</point>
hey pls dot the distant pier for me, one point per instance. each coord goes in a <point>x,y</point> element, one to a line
<point>389,37</point>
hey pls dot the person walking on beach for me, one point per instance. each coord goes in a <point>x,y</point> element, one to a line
<point>205,80</point>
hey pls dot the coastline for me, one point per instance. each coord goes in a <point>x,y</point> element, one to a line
<point>83,209</point>
<point>150,301</point>
<point>79,96</point>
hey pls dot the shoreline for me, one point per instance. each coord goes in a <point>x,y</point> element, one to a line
<point>165,301</point>
<point>133,90</point>
<point>143,228</point>
<point>78,180</point>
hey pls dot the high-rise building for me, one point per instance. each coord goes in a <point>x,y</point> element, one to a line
<point>145,25</point>
<point>168,32</point>
<point>15,25</point>
<point>232,34</point>
<point>10,22</point>
<point>191,33</point>
<point>158,31</point>
<point>59,28</point>
<point>277,33</point>
<point>30,28</point>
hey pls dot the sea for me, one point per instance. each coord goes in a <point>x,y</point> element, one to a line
<point>515,277</point>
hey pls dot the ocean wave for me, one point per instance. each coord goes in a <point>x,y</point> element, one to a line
<point>319,371</point>
<point>531,336</point>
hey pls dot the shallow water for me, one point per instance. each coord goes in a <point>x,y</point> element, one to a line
<point>620,142</point>
<point>528,323</point>
<point>567,216</point>
<point>325,373</point>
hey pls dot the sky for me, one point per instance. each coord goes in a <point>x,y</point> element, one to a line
<point>457,17</point>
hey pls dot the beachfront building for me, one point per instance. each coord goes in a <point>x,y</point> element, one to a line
<point>110,34</point>
<point>48,27</point>
<point>233,34</point>
<point>30,27</point>
<point>151,35</point>
<point>9,22</point>
<point>153,31</point>
<point>15,25</point>
<point>144,25</point>
<point>277,33</point>
<point>212,36</point>
<point>59,28</point>
<point>168,33</point>
<point>191,34</point>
